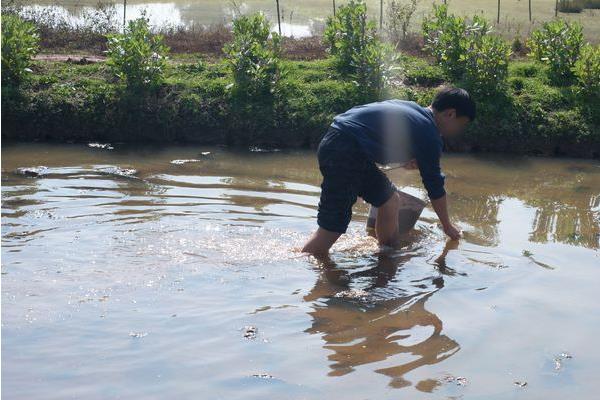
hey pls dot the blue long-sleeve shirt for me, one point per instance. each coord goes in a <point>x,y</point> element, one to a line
<point>396,131</point>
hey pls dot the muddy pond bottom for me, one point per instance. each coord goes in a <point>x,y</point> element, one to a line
<point>171,273</point>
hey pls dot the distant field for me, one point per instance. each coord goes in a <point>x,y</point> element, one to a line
<point>513,14</point>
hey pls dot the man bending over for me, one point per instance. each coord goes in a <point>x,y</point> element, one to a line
<point>391,131</point>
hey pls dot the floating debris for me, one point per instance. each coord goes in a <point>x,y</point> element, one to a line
<point>190,160</point>
<point>256,149</point>
<point>263,376</point>
<point>118,171</point>
<point>105,146</point>
<point>558,360</point>
<point>459,380</point>
<point>352,294</point>
<point>250,332</point>
<point>138,334</point>
<point>520,384</point>
<point>181,162</point>
<point>32,172</point>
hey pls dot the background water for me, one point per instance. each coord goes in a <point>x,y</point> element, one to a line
<point>180,281</point>
<point>308,17</point>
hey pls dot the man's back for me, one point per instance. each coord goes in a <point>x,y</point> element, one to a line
<point>396,131</point>
<point>388,131</point>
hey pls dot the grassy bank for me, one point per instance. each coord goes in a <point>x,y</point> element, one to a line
<point>70,102</point>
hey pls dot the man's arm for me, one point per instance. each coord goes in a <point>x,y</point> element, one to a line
<point>427,153</point>
<point>441,209</point>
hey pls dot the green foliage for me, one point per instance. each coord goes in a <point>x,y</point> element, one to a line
<point>558,44</point>
<point>418,71</point>
<point>19,45</point>
<point>466,50</point>
<point>357,51</point>
<point>137,56</point>
<point>486,64</point>
<point>67,101</point>
<point>587,71</point>
<point>254,57</point>
<point>448,38</point>
<point>517,45</point>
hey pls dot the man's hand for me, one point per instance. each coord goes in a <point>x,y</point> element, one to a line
<point>441,209</point>
<point>452,232</point>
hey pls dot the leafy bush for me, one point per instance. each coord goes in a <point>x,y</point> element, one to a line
<point>254,56</point>
<point>399,15</point>
<point>19,45</point>
<point>558,44</point>
<point>587,71</point>
<point>444,39</point>
<point>486,66</point>
<point>466,50</point>
<point>448,38</point>
<point>357,51</point>
<point>137,56</point>
<point>418,71</point>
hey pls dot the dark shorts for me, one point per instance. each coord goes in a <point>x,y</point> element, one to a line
<point>347,174</point>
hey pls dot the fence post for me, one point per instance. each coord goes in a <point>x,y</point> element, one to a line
<point>529,10</point>
<point>278,17</point>
<point>498,18</point>
<point>556,9</point>
<point>380,14</point>
<point>124,15</point>
<point>334,8</point>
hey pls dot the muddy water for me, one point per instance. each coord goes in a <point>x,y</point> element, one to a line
<point>178,280</point>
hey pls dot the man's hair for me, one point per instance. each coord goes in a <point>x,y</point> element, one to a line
<point>456,98</point>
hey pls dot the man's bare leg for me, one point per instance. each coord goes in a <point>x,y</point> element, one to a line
<point>386,224</point>
<point>320,242</point>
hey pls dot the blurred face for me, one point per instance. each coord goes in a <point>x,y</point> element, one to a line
<point>449,124</point>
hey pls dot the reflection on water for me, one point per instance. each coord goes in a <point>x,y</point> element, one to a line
<point>171,14</point>
<point>184,256</point>
<point>377,311</point>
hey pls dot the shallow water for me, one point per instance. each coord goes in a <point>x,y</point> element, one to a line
<point>300,19</point>
<point>179,281</point>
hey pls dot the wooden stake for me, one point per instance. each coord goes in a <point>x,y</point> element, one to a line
<point>278,17</point>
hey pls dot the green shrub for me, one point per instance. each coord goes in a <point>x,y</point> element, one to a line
<point>486,64</point>
<point>357,51</point>
<point>466,50</point>
<point>517,45</point>
<point>137,56</point>
<point>587,71</point>
<point>444,37</point>
<point>424,74</point>
<point>254,57</point>
<point>558,44</point>
<point>19,45</point>
<point>526,69</point>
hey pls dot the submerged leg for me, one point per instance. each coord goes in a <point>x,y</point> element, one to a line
<point>386,225</point>
<point>320,242</point>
